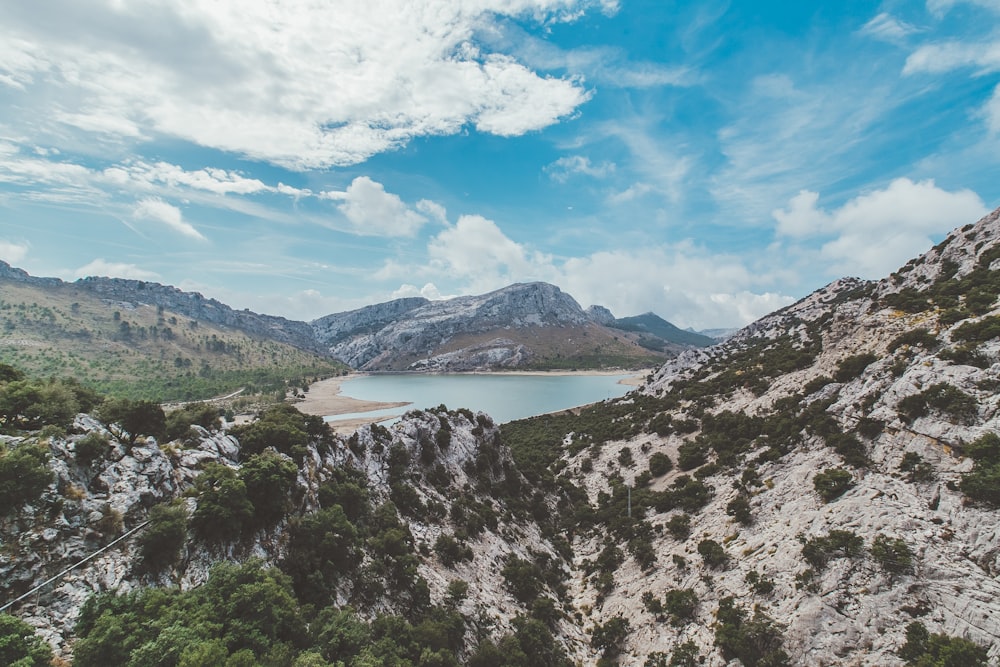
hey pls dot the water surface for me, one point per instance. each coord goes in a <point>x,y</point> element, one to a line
<point>504,396</point>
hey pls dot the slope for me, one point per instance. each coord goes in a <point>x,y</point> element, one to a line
<point>654,325</point>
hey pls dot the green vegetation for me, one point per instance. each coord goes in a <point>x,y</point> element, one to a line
<point>958,298</point>
<point>161,542</point>
<point>144,353</point>
<point>983,483</point>
<point>892,554</point>
<point>819,551</point>
<point>832,483</point>
<point>753,641</point>
<point>852,367</point>
<point>713,554</point>
<point>943,398</point>
<point>923,649</point>
<point>20,646</point>
<point>24,476</point>
<point>283,427</point>
<point>680,604</point>
<point>917,470</point>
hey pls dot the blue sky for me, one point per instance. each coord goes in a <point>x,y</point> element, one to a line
<point>707,161</point>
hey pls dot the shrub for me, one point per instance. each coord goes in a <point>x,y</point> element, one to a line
<point>451,551</point>
<point>851,367</point>
<point>712,553</point>
<point>24,476</point>
<point>819,551</point>
<point>681,604</point>
<point>269,479</point>
<point>610,636</point>
<point>20,646</point>
<point>754,641</point>
<point>223,507</point>
<point>982,484</point>
<point>916,468</point>
<point>161,542</point>
<point>832,483</point>
<point>892,554</point>
<point>523,579</point>
<point>660,464</point>
<point>691,454</point>
<point>914,338</point>
<point>739,509</point>
<point>322,547</point>
<point>128,419</point>
<point>922,648</point>
<point>91,447</point>
<point>679,526</point>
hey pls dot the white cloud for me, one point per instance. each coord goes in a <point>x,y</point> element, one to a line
<point>888,28</point>
<point>433,210</point>
<point>428,291</point>
<point>160,211</point>
<point>946,56</point>
<point>991,111</point>
<point>12,253</point>
<point>630,193</point>
<point>100,267</point>
<point>562,169</point>
<point>939,7</point>
<point>303,85</point>
<point>476,250</point>
<point>875,233</point>
<point>374,212</point>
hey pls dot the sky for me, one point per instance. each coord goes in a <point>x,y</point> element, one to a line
<point>707,161</point>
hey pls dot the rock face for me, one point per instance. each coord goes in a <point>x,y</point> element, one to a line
<point>465,333</point>
<point>87,506</point>
<point>846,361</point>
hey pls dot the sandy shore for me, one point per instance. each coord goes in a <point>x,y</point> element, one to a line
<point>325,400</point>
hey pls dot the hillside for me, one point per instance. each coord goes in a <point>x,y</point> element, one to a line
<point>820,489</point>
<point>128,343</point>
<point>526,326</point>
<point>659,331</point>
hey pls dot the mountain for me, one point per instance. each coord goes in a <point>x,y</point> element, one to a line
<point>148,340</point>
<point>657,327</point>
<point>820,489</point>
<point>530,325</point>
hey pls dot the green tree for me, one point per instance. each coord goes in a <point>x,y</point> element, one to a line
<point>128,419</point>
<point>223,507</point>
<point>19,645</point>
<point>24,476</point>
<point>161,542</point>
<point>832,483</point>
<point>269,479</point>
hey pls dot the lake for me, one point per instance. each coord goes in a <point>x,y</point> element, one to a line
<point>503,396</point>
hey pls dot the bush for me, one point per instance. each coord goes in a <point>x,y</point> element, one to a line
<point>127,419</point>
<point>91,447</point>
<point>660,464</point>
<point>914,338</point>
<point>712,553</point>
<point>451,551</point>
<point>523,579</point>
<point>223,507</point>
<point>681,604</point>
<point>322,547</point>
<point>161,542</point>
<point>739,509</point>
<point>24,476</point>
<point>983,483</point>
<point>892,554</point>
<point>943,398</point>
<point>20,646</point>
<point>755,641</point>
<point>610,637</point>
<point>852,367</point>
<point>819,551</point>
<point>923,649</point>
<point>679,526</point>
<point>269,479</point>
<point>832,483</point>
<point>916,468</point>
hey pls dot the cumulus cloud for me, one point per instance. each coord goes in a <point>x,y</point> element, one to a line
<point>11,252</point>
<point>101,267</point>
<point>562,169</point>
<point>374,212</point>
<point>875,233</point>
<point>160,211</point>
<point>302,85</point>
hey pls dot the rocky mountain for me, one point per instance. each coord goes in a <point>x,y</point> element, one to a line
<point>523,325</point>
<point>820,489</point>
<point>658,329</point>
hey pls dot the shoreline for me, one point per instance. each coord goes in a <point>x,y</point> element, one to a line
<point>324,398</point>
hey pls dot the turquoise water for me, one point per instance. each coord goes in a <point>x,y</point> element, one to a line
<point>505,397</point>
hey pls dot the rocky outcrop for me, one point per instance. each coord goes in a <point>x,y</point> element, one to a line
<point>465,333</point>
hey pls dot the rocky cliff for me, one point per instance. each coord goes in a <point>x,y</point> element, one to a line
<point>513,327</point>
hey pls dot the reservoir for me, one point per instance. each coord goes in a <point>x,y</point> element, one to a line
<point>503,396</point>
